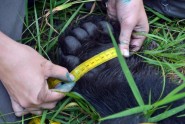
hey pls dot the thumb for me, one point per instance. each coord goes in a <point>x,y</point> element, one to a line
<point>124,38</point>
<point>58,72</point>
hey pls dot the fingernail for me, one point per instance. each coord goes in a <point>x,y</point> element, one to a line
<point>70,77</point>
<point>65,87</point>
<point>125,52</point>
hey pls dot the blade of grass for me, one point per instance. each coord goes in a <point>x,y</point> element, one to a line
<point>179,88</point>
<point>55,40</point>
<point>44,117</point>
<point>2,117</point>
<point>61,108</point>
<point>51,20</point>
<point>128,112</point>
<point>67,5</point>
<point>170,99</point>
<point>27,119</point>
<point>26,12</point>
<point>44,5</point>
<point>64,27</point>
<point>159,15</point>
<point>180,116</point>
<point>23,119</point>
<point>167,114</point>
<point>38,32</point>
<point>71,19</point>
<point>126,71</point>
<point>154,62</point>
<point>154,20</point>
<point>152,36</point>
<point>83,103</point>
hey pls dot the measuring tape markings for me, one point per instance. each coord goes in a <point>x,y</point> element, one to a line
<point>81,70</point>
<point>88,65</point>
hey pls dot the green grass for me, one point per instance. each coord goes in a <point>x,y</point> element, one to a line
<point>166,33</point>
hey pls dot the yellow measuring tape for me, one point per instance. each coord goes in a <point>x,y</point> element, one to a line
<point>88,65</point>
<point>81,70</point>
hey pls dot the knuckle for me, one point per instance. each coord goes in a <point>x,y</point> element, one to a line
<point>47,67</point>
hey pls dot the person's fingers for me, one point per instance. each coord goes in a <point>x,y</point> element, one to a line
<point>35,111</point>
<point>127,24</point>
<point>112,16</point>
<point>52,96</point>
<point>65,87</point>
<point>38,109</point>
<point>124,38</point>
<point>138,39</point>
<point>49,95</point>
<point>18,109</point>
<point>136,44</point>
<point>55,71</point>
<point>48,105</point>
<point>111,9</point>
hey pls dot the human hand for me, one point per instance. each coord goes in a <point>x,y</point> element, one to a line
<point>132,18</point>
<point>24,74</point>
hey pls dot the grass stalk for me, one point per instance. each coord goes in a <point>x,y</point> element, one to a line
<point>126,71</point>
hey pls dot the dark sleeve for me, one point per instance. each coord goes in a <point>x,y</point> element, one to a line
<point>12,17</point>
<point>6,111</point>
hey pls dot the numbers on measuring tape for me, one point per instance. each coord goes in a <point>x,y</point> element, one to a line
<point>88,65</point>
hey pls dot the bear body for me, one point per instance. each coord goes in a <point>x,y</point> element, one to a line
<point>106,87</point>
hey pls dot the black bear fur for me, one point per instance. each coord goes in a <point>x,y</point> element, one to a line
<point>105,87</point>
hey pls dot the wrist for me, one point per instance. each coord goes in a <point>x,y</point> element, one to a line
<point>7,46</point>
